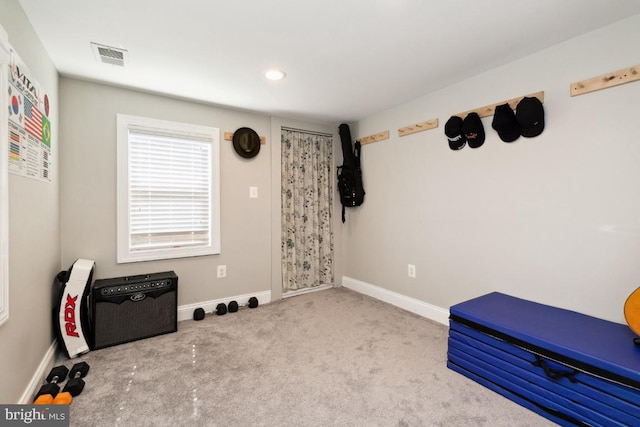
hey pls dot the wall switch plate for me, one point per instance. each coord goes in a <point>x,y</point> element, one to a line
<point>222,271</point>
<point>411,270</point>
<point>253,192</point>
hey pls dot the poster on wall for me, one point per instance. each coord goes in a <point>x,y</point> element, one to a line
<point>29,126</point>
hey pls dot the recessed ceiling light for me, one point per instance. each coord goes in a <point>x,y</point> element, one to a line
<point>274,74</point>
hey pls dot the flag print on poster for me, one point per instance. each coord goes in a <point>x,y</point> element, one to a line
<point>46,132</point>
<point>32,120</point>
<point>15,106</point>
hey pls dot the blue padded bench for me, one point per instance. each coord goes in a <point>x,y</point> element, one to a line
<point>568,367</point>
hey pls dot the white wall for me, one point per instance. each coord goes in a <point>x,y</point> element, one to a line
<point>554,219</point>
<point>250,228</point>
<point>34,231</point>
<point>88,191</point>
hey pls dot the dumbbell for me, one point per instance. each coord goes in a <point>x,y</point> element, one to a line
<point>48,391</point>
<point>74,386</point>
<point>198,313</point>
<point>233,305</point>
<point>221,309</point>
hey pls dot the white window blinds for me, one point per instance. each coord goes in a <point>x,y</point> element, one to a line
<point>169,190</point>
<point>168,207</point>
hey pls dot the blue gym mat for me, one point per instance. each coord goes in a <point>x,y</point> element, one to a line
<point>599,347</point>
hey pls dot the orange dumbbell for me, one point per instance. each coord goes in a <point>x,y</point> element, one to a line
<point>74,386</point>
<point>44,399</point>
<point>49,391</point>
<point>63,398</point>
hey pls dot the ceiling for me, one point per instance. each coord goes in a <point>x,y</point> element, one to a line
<point>344,59</point>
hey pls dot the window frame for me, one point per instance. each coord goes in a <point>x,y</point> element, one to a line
<point>125,123</point>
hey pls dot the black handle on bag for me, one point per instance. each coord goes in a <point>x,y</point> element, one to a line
<point>554,374</point>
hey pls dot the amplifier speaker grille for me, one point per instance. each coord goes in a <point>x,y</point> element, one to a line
<point>126,309</point>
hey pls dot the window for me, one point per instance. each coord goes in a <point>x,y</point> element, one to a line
<point>168,190</point>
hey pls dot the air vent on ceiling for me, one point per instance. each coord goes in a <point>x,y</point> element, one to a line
<point>109,55</point>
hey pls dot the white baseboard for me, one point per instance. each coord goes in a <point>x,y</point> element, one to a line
<point>43,369</point>
<point>185,312</point>
<point>413,305</point>
<point>305,291</point>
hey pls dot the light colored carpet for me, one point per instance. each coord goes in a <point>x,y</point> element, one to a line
<point>328,358</point>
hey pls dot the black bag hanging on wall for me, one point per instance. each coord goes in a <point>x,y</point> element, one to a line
<point>349,174</point>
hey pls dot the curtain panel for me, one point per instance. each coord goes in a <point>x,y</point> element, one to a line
<point>307,200</point>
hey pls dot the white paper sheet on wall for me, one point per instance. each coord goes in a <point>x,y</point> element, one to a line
<point>29,126</point>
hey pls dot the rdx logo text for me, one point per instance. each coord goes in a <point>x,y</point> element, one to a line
<point>70,316</point>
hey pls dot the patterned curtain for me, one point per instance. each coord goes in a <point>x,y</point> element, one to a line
<point>307,236</point>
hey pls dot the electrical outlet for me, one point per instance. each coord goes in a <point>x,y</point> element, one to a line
<point>411,270</point>
<point>222,271</point>
<point>253,192</point>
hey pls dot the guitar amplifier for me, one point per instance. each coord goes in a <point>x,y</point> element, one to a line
<point>131,308</point>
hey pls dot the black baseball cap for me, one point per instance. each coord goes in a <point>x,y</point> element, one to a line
<point>453,130</point>
<point>505,123</point>
<point>530,116</point>
<point>473,130</point>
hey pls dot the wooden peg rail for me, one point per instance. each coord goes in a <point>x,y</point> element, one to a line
<point>488,110</point>
<point>626,75</point>
<point>228,136</point>
<point>418,127</point>
<point>374,138</point>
